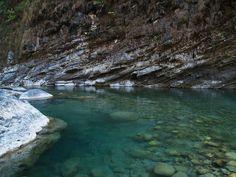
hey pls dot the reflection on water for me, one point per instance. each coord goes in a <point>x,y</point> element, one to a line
<point>126,132</point>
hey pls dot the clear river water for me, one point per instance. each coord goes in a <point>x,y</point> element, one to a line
<point>126,132</point>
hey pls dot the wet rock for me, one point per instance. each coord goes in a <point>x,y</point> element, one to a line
<point>70,167</point>
<point>55,125</point>
<point>35,94</point>
<point>232,175</point>
<point>19,89</point>
<point>181,168</point>
<point>232,163</point>
<point>144,175</point>
<point>6,92</point>
<point>231,168</point>
<point>123,84</point>
<point>141,154</point>
<point>231,155</point>
<point>65,84</point>
<point>102,172</point>
<point>211,143</point>
<point>123,116</point>
<point>143,137</point>
<point>81,175</point>
<point>207,175</point>
<point>180,174</point>
<point>164,169</point>
<point>11,57</point>
<point>202,170</point>
<point>153,143</point>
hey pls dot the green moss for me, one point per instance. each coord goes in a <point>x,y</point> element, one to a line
<point>12,11</point>
<point>98,2</point>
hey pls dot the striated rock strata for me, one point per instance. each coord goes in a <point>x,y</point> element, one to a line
<point>126,43</point>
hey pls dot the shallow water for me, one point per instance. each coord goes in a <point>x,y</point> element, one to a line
<point>126,132</point>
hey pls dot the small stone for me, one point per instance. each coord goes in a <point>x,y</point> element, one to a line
<point>231,155</point>
<point>153,143</point>
<point>180,174</point>
<point>225,171</point>
<point>102,172</point>
<point>147,137</point>
<point>196,162</point>
<point>210,143</point>
<point>232,163</point>
<point>70,167</point>
<point>157,127</point>
<point>141,154</point>
<point>164,169</point>
<point>202,170</point>
<point>143,137</point>
<point>173,152</point>
<point>232,175</point>
<point>97,173</point>
<point>181,168</point>
<point>175,131</point>
<point>231,168</point>
<point>207,175</point>
<point>81,175</point>
<point>219,162</point>
<point>144,175</point>
<point>207,162</point>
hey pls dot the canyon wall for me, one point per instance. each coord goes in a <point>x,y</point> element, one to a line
<point>159,43</point>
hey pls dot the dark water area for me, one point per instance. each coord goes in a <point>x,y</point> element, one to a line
<point>126,132</point>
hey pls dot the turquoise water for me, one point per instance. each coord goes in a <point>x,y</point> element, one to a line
<point>124,133</point>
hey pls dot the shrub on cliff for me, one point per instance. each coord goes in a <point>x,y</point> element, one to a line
<point>12,9</point>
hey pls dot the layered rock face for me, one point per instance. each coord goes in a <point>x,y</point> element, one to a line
<point>190,44</point>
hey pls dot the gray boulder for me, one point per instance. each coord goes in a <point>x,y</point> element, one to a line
<point>11,57</point>
<point>19,123</point>
<point>7,92</point>
<point>35,94</point>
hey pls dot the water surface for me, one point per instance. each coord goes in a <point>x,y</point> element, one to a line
<point>125,132</point>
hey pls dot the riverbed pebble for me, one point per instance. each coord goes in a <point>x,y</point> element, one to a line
<point>164,169</point>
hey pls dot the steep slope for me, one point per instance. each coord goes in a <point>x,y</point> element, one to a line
<point>163,43</point>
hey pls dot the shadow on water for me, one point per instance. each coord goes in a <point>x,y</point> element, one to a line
<point>115,132</point>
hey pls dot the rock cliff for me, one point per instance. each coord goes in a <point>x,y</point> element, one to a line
<point>162,43</point>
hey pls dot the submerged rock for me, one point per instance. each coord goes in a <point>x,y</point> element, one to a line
<point>70,167</point>
<point>231,155</point>
<point>180,174</point>
<point>164,169</point>
<point>140,154</point>
<point>207,175</point>
<point>35,94</point>
<point>123,116</point>
<point>102,171</point>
